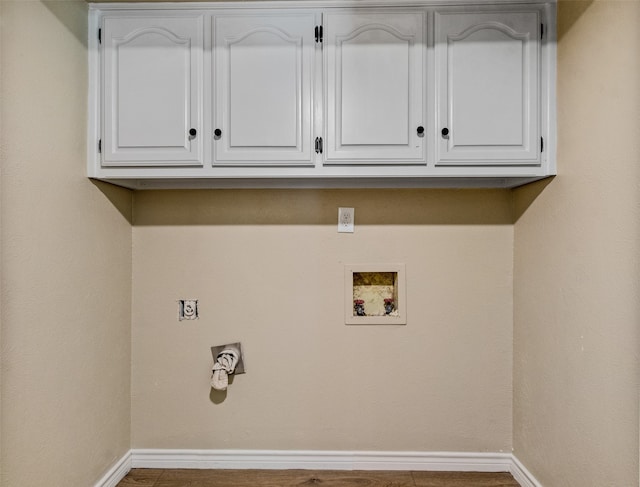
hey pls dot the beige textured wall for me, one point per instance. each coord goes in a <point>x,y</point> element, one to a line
<point>1,283</point>
<point>267,267</point>
<point>2,292</point>
<point>577,272</point>
<point>66,263</point>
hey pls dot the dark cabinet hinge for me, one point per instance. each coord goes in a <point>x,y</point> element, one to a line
<point>318,145</point>
<point>318,33</point>
<point>541,31</point>
<point>100,36</point>
<point>100,146</point>
<point>541,144</point>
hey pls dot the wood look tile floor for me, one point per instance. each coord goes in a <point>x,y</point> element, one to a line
<point>143,477</point>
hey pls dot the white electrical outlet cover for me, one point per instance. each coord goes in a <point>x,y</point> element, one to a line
<point>346,220</point>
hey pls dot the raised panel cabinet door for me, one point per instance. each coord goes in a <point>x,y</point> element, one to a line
<point>152,91</point>
<point>374,87</point>
<point>488,88</point>
<point>264,76</point>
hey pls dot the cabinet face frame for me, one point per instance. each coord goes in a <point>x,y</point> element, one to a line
<point>115,36</point>
<point>452,149</point>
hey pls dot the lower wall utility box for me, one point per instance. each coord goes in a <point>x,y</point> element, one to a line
<point>375,294</point>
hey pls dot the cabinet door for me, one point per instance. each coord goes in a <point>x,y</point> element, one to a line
<point>374,87</point>
<point>487,88</point>
<point>152,91</point>
<point>263,74</point>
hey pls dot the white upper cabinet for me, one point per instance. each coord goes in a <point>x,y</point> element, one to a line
<point>348,93</point>
<point>488,96</point>
<point>374,87</point>
<point>152,90</point>
<point>263,76</point>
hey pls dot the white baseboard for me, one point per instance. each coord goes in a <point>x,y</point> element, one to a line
<point>522,475</point>
<point>117,472</point>
<point>322,460</point>
<point>319,460</point>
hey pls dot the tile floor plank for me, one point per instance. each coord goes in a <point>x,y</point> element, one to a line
<point>311,478</point>
<point>463,479</point>
<point>141,477</point>
<point>283,478</point>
